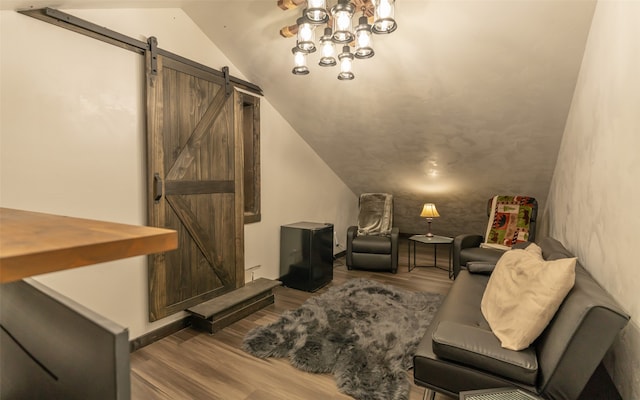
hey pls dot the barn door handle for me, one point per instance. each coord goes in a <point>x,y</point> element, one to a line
<point>157,187</point>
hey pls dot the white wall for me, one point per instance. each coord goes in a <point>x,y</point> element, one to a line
<point>72,143</point>
<point>592,202</point>
<point>296,186</point>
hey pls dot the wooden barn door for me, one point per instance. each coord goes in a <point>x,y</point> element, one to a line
<point>195,184</point>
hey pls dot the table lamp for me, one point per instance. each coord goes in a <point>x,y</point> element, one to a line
<point>429,212</point>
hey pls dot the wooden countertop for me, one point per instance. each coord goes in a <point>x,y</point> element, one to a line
<point>34,243</point>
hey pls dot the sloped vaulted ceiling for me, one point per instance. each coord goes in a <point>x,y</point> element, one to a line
<point>465,100</point>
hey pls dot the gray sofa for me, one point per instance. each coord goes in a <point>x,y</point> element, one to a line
<point>459,352</point>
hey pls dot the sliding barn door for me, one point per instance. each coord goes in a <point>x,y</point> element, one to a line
<point>195,177</point>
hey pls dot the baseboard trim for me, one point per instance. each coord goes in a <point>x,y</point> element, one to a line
<point>157,334</point>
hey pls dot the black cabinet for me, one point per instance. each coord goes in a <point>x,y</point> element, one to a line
<point>306,255</point>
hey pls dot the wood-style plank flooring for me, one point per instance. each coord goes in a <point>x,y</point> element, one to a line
<point>195,365</point>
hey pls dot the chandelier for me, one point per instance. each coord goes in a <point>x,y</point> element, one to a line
<point>376,18</point>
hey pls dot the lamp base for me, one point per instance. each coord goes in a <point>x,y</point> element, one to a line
<point>429,234</point>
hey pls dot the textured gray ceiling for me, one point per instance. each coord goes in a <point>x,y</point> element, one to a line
<point>465,100</point>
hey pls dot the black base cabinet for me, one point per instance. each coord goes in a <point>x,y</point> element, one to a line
<point>306,255</point>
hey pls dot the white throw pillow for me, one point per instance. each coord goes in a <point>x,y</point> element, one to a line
<point>524,293</point>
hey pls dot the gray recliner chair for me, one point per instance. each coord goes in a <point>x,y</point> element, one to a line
<point>467,247</point>
<point>373,244</point>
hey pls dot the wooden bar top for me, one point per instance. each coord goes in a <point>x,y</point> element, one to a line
<point>34,243</point>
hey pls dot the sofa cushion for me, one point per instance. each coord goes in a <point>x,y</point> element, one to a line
<point>523,293</point>
<point>479,348</point>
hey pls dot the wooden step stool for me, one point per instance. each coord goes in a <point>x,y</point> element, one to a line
<point>222,311</point>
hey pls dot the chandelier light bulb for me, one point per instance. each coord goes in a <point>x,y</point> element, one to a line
<point>345,65</point>
<point>327,49</point>
<point>363,40</point>
<point>384,10</point>
<point>305,32</point>
<point>343,21</point>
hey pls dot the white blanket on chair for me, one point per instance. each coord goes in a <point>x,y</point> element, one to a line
<point>376,214</point>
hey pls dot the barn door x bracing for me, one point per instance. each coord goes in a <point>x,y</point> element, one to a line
<point>195,183</point>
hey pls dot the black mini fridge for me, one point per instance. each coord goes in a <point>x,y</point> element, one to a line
<point>306,255</point>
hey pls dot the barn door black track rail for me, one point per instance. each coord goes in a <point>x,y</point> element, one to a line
<point>90,29</point>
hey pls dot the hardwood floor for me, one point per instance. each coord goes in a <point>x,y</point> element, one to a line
<point>195,365</point>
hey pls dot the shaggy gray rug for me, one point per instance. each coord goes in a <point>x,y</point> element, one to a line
<point>363,332</point>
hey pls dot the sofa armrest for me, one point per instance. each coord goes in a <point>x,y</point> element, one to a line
<point>465,241</point>
<point>462,242</point>
<point>480,348</point>
<point>395,232</point>
<point>480,267</point>
<point>352,232</point>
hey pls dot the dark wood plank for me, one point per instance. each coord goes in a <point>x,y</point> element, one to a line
<point>156,210</point>
<point>236,313</point>
<point>157,334</point>
<point>251,143</point>
<point>198,187</point>
<point>188,154</point>
<point>244,310</point>
<point>221,303</point>
<point>198,235</point>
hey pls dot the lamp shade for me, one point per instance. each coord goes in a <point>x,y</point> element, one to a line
<point>429,211</point>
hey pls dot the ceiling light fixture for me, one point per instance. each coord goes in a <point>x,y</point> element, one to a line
<point>306,36</point>
<point>327,49</point>
<point>377,18</point>
<point>346,60</point>
<point>299,62</point>
<point>316,11</point>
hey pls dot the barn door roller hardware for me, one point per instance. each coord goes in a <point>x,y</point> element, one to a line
<point>153,49</point>
<point>227,83</point>
<point>90,29</point>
